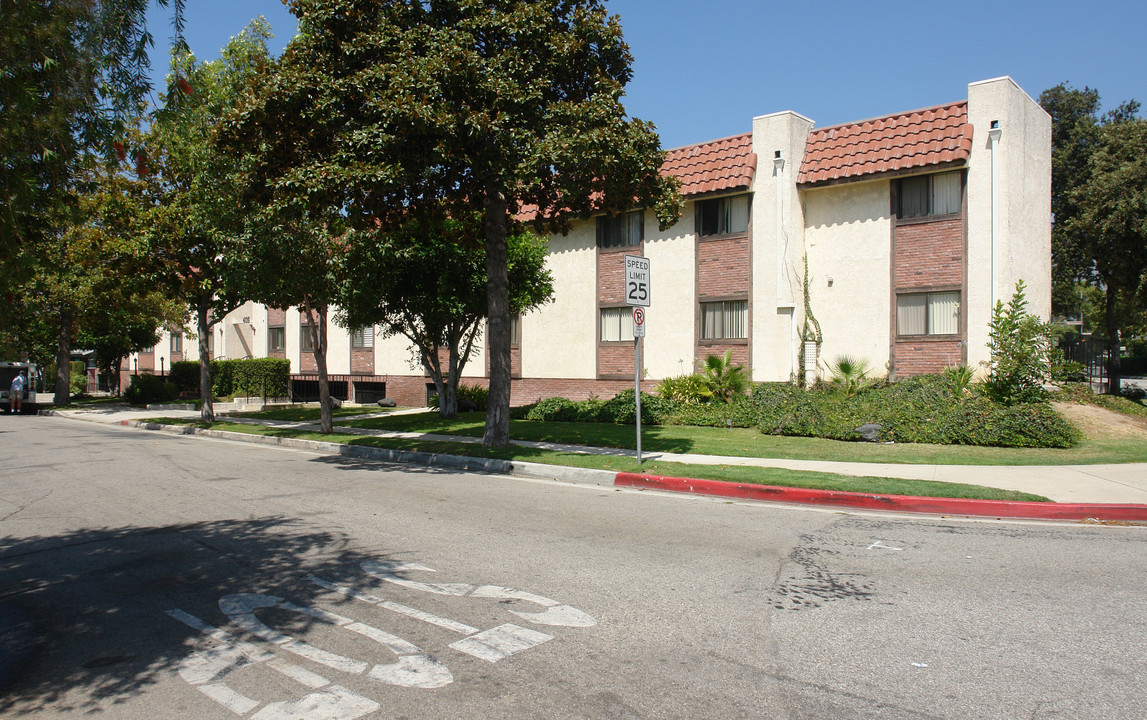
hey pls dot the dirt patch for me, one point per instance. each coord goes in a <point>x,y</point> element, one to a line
<point>1097,422</point>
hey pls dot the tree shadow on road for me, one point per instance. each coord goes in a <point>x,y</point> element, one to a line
<point>83,615</point>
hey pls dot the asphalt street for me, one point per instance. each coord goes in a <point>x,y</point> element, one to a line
<point>144,575</point>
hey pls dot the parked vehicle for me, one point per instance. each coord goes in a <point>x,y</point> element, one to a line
<point>8,372</point>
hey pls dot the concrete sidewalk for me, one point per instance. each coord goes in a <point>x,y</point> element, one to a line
<point>1124,483</point>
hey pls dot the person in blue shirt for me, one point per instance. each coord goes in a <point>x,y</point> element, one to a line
<point>16,393</point>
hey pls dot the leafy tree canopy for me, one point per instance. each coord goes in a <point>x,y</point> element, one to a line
<point>393,109</point>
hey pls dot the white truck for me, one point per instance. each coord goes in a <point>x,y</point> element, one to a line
<point>31,372</point>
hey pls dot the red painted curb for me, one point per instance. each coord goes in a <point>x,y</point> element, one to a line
<point>895,503</point>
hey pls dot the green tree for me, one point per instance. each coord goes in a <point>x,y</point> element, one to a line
<point>296,261</point>
<point>1111,221</point>
<point>1020,346</point>
<point>199,217</point>
<point>399,109</point>
<point>427,283</point>
<point>75,73</point>
<point>1077,134</point>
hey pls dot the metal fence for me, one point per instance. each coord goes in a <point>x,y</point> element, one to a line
<point>1094,354</point>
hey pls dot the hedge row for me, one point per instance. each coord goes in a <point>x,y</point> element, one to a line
<point>916,410</point>
<point>250,377</point>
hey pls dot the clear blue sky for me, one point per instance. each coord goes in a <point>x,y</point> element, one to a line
<point>704,68</point>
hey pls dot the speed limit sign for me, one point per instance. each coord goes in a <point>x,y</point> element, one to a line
<point>638,322</point>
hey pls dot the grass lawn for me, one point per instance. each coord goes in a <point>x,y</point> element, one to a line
<point>730,473</point>
<point>307,414</point>
<point>745,442</point>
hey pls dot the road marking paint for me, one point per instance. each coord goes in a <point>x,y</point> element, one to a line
<point>334,703</point>
<point>228,698</point>
<point>501,642</point>
<point>415,613</point>
<point>415,671</point>
<point>560,615</point>
<point>881,546</point>
<point>300,675</point>
<point>255,653</point>
<point>501,593</point>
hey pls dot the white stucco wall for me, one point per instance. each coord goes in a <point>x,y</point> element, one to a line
<point>670,333</point>
<point>777,298</point>
<point>559,340</point>
<point>848,236</point>
<point>1023,197</point>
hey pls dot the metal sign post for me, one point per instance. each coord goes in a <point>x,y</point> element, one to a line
<point>637,294</point>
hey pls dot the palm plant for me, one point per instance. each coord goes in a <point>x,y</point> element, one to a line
<point>723,379</point>
<point>849,374</point>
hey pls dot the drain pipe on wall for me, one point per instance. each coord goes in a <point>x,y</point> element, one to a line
<point>994,140</point>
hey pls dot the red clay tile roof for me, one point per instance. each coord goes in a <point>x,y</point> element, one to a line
<point>706,167</point>
<point>908,140</point>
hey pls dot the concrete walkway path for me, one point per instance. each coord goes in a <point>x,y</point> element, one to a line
<point>1119,483</point>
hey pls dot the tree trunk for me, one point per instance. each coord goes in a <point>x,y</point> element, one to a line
<point>1114,361</point>
<point>434,370</point>
<point>203,327</point>
<point>318,332</point>
<point>497,433</point>
<point>64,357</point>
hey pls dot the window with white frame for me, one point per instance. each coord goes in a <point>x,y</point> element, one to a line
<point>176,342</point>
<point>515,329</point>
<point>616,324</point>
<point>725,320</point>
<point>625,230</point>
<point>930,195</point>
<point>930,313</point>
<point>362,339</point>
<point>722,216</point>
<point>276,339</point>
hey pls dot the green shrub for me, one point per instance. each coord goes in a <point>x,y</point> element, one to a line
<point>684,389</point>
<point>78,380</point>
<point>554,410</point>
<point>476,394</point>
<point>849,374</point>
<point>185,375</point>
<point>1020,344</point>
<point>724,380</point>
<point>250,377</point>
<point>147,389</point>
<point>959,379</point>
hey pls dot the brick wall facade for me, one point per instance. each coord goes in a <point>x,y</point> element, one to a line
<point>929,254</point>
<point>740,352</point>
<point>615,360</point>
<point>723,267</point>
<point>919,357</point>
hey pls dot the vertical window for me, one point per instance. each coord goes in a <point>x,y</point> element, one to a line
<point>727,320</point>
<point>623,230</point>
<point>305,337</point>
<point>276,339</point>
<point>935,313</point>
<point>723,216</point>
<point>515,329</point>
<point>616,324</point>
<point>362,338</point>
<point>930,195</point>
<point>176,342</point>
<point>210,342</point>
